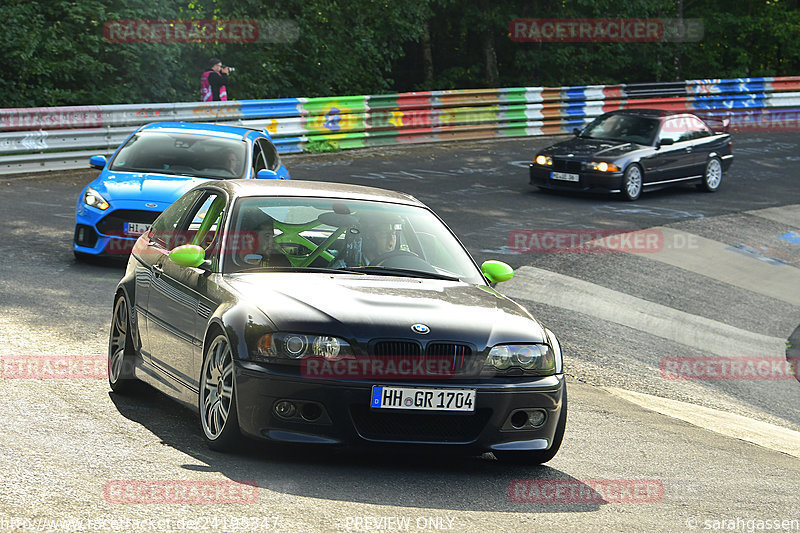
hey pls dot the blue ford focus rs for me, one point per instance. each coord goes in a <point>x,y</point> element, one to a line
<point>154,167</point>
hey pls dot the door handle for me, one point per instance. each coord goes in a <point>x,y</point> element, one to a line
<point>689,150</point>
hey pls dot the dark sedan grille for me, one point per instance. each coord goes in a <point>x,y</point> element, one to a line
<point>458,357</point>
<point>562,165</point>
<point>419,427</point>
<point>396,348</point>
<point>113,223</point>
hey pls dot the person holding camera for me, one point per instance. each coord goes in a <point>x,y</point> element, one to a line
<point>213,82</point>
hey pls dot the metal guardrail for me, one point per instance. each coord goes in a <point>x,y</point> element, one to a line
<point>58,138</point>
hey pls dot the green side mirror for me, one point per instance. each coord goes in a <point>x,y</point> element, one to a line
<point>497,271</point>
<point>188,255</point>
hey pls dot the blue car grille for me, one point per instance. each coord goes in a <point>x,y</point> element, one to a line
<point>113,223</point>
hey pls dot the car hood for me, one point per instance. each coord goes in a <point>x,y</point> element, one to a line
<point>139,186</point>
<point>587,149</point>
<point>370,307</point>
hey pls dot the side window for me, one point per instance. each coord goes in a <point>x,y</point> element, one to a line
<point>698,129</point>
<point>673,128</point>
<point>259,163</point>
<point>203,220</point>
<point>270,154</point>
<point>166,226</point>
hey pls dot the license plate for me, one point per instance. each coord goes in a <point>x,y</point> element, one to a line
<point>565,176</point>
<point>136,228</point>
<point>423,399</point>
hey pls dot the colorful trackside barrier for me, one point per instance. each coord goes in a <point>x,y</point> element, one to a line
<point>64,137</point>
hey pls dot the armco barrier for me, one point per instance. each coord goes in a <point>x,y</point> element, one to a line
<point>60,138</point>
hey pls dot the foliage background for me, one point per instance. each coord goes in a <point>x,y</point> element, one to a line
<point>54,52</point>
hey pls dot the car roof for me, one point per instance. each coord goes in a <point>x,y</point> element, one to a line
<point>301,188</point>
<point>202,128</point>
<point>647,112</point>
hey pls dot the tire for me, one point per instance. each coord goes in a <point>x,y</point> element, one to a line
<point>121,354</point>
<point>537,457</point>
<point>217,398</point>
<point>632,182</point>
<point>712,177</point>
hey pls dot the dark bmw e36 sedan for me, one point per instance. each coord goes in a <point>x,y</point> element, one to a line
<point>331,314</point>
<point>632,150</point>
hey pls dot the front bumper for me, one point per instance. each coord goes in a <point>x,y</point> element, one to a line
<point>609,182</point>
<point>341,413</point>
<point>102,233</point>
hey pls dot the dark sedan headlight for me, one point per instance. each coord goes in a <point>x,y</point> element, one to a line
<point>95,199</point>
<point>543,160</point>
<point>602,166</point>
<point>531,359</point>
<point>282,347</point>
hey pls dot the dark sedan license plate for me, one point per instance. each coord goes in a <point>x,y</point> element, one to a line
<point>565,176</point>
<point>136,228</point>
<point>422,399</point>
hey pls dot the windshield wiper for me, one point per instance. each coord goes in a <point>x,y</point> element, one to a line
<point>404,272</point>
<point>293,269</point>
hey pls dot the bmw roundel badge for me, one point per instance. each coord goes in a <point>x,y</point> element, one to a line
<point>422,329</point>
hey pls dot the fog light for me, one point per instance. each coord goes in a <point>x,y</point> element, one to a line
<point>536,418</point>
<point>311,412</point>
<point>519,419</point>
<point>284,409</point>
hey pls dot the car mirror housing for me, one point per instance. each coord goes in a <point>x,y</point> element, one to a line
<point>666,142</point>
<point>265,174</point>
<point>188,255</point>
<point>98,162</point>
<point>497,271</point>
<point>576,131</point>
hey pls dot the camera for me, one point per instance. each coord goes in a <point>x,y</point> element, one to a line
<point>230,69</point>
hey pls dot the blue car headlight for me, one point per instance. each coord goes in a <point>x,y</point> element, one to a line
<point>95,199</point>
<point>531,359</point>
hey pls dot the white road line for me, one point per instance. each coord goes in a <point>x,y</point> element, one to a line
<point>714,260</point>
<point>543,286</point>
<point>728,424</point>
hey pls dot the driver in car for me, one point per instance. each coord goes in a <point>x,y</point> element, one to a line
<point>363,246</point>
<point>379,239</point>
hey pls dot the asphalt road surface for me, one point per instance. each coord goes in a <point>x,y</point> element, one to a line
<point>650,445</point>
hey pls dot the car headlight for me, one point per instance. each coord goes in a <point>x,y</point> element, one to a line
<point>544,160</point>
<point>95,199</point>
<point>534,359</point>
<point>288,347</point>
<point>603,166</point>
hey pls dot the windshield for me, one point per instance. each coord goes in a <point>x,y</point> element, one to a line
<point>622,128</point>
<point>337,235</point>
<point>182,154</point>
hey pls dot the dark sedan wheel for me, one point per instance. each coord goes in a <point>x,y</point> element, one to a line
<point>713,175</point>
<point>632,182</point>
<point>120,348</point>
<point>218,397</point>
<point>537,457</point>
